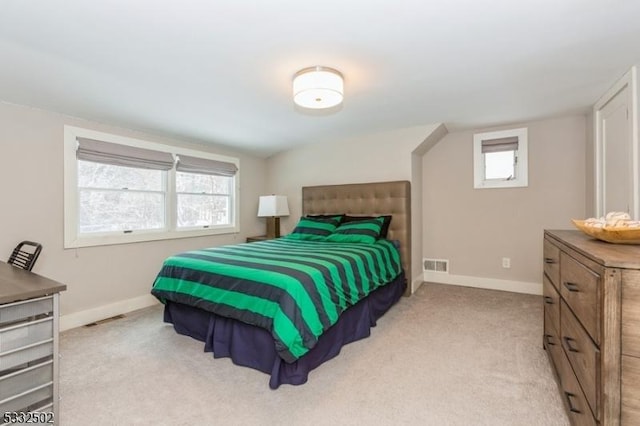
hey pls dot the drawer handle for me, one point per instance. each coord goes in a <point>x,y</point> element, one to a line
<point>547,338</point>
<point>548,300</point>
<point>550,260</point>
<point>569,345</point>
<point>571,286</point>
<point>573,409</point>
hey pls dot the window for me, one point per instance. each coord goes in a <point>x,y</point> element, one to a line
<point>120,190</point>
<point>116,198</point>
<point>500,159</point>
<point>205,192</point>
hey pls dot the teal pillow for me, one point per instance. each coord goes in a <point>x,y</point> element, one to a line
<point>314,229</point>
<point>385,224</point>
<point>362,231</point>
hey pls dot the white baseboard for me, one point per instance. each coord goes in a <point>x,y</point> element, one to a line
<point>78,319</point>
<point>488,283</point>
<point>88,316</point>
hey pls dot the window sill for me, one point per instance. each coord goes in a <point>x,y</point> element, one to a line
<point>145,236</point>
<point>501,184</point>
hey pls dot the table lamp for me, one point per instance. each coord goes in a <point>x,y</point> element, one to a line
<point>273,207</point>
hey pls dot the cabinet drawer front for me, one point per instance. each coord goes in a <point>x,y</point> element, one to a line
<point>22,401</point>
<point>580,287</point>
<point>25,334</point>
<point>551,260</point>
<point>552,344</point>
<point>22,356</point>
<point>551,303</point>
<point>583,356</point>
<point>572,396</point>
<point>26,379</point>
<point>25,309</point>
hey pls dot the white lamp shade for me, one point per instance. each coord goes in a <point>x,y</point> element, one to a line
<point>273,205</point>
<point>318,87</point>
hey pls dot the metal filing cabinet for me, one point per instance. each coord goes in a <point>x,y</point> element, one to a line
<point>28,347</point>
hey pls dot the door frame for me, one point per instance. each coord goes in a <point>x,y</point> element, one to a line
<point>628,80</point>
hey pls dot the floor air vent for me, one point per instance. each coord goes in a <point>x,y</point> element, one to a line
<point>93,324</point>
<point>435,265</point>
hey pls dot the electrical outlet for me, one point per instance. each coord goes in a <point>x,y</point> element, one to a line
<point>506,262</point>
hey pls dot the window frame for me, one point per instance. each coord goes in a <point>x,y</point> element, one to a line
<point>521,171</point>
<point>72,236</point>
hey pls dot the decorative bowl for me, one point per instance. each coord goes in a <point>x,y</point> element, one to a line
<point>610,234</point>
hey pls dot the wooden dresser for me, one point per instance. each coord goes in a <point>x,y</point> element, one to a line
<point>592,326</point>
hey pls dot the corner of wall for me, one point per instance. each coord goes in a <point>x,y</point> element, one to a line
<point>436,135</point>
<point>438,132</point>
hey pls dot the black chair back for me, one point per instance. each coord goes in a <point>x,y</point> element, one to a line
<point>25,254</point>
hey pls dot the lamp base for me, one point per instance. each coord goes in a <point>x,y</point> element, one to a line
<point>273,227</point>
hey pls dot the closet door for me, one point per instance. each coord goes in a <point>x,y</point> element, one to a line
<point>616,156</point>
<point>616,149</point>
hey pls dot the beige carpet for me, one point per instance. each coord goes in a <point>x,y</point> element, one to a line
<point>446,356</point>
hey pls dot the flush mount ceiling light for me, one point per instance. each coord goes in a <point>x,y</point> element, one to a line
<point>318,87</point>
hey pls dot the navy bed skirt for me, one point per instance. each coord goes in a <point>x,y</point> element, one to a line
<point>252,346</point>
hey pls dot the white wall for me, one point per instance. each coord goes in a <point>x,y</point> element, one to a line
<point>115,276</point>
<point>476,228</point>
<point>472,228</point>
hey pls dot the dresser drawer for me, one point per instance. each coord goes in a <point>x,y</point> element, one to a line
<point>19,357</point>
<point>580,288</point>
<point>25,334</point>
<point>25,380</point>
<point>23,402</point>
<point>572,395</point>
<point>583,356</point>
<point>551,255</point>
<point>551,303</point>
<point>25,342</point>
<point>20,311</point>
<point>552,344</point>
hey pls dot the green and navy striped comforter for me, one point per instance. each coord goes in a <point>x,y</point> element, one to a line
<point>295,289</point>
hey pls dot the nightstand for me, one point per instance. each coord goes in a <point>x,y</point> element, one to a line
<point>258,238</point>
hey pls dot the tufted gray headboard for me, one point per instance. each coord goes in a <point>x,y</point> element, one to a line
<point>377,198</point>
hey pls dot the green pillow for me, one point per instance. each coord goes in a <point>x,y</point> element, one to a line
<point>314,229</point>
<point>362,231</point>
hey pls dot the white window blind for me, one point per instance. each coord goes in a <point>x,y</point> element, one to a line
<point>121,190</point>
<point>205,166</point>
<point>123,155</point>
<point>500,145</point>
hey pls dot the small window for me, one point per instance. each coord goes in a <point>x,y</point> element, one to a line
<point>500,159</point>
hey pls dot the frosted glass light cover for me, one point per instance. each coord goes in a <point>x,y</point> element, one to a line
<point>318,87</point>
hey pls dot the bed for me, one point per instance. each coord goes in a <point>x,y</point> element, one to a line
<point>275,335</point>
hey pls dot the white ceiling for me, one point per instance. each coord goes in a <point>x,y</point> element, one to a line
<point>220,70</point>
